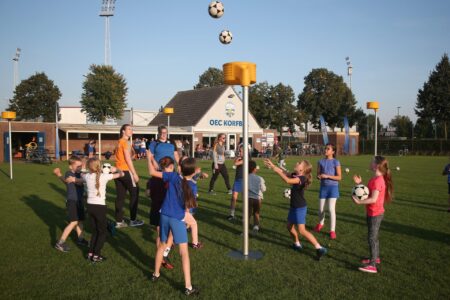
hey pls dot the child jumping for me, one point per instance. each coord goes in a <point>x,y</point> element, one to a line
<point>300,180</point>
<point>256,188</point>
<point>174,217</point>
<point>74,203</point>
<point>381,190</point>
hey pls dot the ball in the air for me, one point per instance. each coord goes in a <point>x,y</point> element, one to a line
<point>360,191</point>
<point>225,37</point>
<point>287,193</point>
<point>398,168</point>
<point>106,168</point>
<point>347,170</point>
<point>216,9</point>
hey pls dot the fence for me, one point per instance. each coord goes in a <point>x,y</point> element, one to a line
<point>406,147</point>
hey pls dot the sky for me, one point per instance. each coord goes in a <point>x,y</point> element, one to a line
<point>161,47</point>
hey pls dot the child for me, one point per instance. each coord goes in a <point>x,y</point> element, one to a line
<point>329,174</point>
<point>237,186</point>
<point>74,203</point>
<point>174,216</point>
<point>256,188</point>
<point>300,180</point>
<point>381,190</point>
<point>447,172</point>
<point>96,182</point>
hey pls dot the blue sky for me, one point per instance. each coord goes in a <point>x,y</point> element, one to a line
<point>161,47</point>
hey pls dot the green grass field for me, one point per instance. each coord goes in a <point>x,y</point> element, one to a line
<point>414,239</point>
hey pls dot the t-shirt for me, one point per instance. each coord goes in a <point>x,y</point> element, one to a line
<point>218,155</point>
<point>447,169</point>
<point>173,205</point>
<point>161,149</point>
<point>328,167</point>
<point>92,197</point>
<point>298,192</point>
<point>256,186</point>
<point>377,208</point>
<point>74,191</point>
<point>120,156</point>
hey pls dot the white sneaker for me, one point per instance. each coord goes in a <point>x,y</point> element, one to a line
<point>121,224</point>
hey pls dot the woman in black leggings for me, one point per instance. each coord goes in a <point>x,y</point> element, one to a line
<point>218,165</point>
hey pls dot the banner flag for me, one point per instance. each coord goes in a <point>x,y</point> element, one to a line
<point>323,128</point>
<point>347,136</point>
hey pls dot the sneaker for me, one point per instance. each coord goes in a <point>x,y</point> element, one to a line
<point>62,247</point>
<point>155,278</point>
<point>366,261</point>
<point>199,245</point>
<point>297,248</point>
<point>321,252</point>
<point>191,292</point>
<point>167,264</point>
<point>231,218</point>
<point>368,269</point>
<point>83,242</point>
<point>230,192</point>
<point>255,229</point>
<point>211,192</point>
<point>318,227</point>
<point>98,258</point>
<point>121,224</point>
<point>332,235</point>
<point>135,223</point>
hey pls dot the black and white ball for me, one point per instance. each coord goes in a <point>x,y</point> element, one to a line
<point>360,191</point>
<point>216,9</point>
<point>225,37</point>
<point>106,168</point>
<point>347,170</point>
<point>287,193</point>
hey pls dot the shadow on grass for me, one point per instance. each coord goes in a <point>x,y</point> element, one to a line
<point>6,174</point>
<point>420,204</point>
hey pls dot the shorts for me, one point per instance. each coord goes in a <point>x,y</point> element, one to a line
<point>329,191</point>
<point>297,215</point>
<point>237,186</point>
<point>177,227</point>
<point>254,205</point>
<point>155,217</point>
<point>142,150</point>
<point>75,211</point>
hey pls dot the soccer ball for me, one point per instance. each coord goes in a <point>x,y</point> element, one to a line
<point>225,37</point>
<point>106,168</point>
<point>347,170</point>
<point>287,193</point>
<point>216,9</point>
<point>398,168</point>
<point>360,191</point>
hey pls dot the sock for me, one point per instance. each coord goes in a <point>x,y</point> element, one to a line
<point>232,212</point>
<point>256,227</point>
<point>166,252</point>
<point>297,244</point>
<point>61,241</point>
<point>317,246</point>
<point>189,288</point>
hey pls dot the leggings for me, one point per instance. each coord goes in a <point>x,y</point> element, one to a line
<point>221,170</point>
<point>97,217</point>
<point>331,209</point>
<point>124,184</point>
<point>373,224</point>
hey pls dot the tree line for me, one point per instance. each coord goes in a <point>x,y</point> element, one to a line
<point>274,106</point>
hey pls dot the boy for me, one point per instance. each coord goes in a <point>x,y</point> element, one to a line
<point>256,188</point>
<point>74,203</point>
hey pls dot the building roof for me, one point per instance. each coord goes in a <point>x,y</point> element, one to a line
<point>114,129</point>
<point>190,106</point>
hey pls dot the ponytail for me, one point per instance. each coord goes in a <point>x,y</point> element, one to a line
<point>94,167</point>
<point>383,167</point>
<point>188,196</point>
<point>307,172</point>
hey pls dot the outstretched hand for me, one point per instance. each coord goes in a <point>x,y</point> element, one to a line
<point>57,172</point>
<point>268,163</point>
<point>357,179</point>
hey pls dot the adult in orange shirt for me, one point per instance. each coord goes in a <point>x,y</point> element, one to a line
<point>129,182</point>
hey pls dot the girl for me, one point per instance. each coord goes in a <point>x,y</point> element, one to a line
<point>381,190</point>
<point>129,182</point>
<point>218,165</point>
<point>329,174</point>
<point>96,182</point>
<point>175,216</point>
<point>256,188</point>
<point>237,186</point>
<point>300,180</point>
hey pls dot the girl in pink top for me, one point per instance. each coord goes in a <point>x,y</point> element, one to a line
<point>381,191</point>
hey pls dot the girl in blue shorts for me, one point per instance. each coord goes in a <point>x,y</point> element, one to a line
<point>300,180</point>
<point>174,217</point>
<point>329,174</point>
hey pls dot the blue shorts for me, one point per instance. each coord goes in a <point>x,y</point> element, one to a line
<point>178,228</point>
<point>142,150</point>
<point>297,215</point>
<point>237,186</point>
<point>329,191</point>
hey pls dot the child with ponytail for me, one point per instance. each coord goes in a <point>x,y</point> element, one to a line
<point>381,191</point>
<point>96,182</point>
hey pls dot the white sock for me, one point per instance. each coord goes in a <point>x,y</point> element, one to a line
<point>297,244</point>
<point>166,252</point>
<point>232,212</point>
<point>317,246</point>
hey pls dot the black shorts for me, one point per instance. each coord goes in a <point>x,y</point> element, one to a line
<point>155,216</point>
<point>75,211</point>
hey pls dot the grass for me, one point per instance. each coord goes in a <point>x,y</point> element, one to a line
<point>415,239</point>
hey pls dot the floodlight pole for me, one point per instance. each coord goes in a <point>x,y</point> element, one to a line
<point>16,68</point>
<point>9,115</point>
<point>244,74</point>
<point>168,111</point>
<point>375,106</point>
<point>107,11</point>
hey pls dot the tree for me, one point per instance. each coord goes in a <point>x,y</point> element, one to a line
<point>104,94</point>
<point>257,104</point>
<point>403,126</point>
<point>325,93</point>
<point>35,97</point>
<point>209,78</point>
<point>433,100</point>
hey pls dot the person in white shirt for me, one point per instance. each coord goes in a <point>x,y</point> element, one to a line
<point>256,188</point>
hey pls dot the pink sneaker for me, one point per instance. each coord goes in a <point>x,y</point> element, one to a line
<point>332,235</point>
<point>366,261</point>
<point>368,269</point>
<point>318,227</point>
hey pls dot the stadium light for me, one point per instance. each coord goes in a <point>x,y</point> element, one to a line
<point>107,10</point>
<point>9,115</point>
<point>349,71</point>
<point>16,68</point>
<point>243,74</point>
